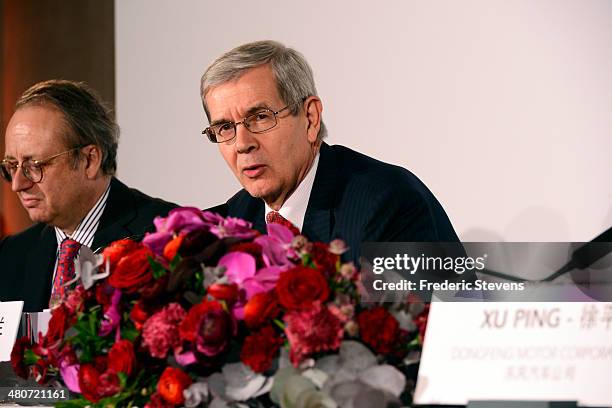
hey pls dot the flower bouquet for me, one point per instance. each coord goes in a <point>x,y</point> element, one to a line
<point>208,312</point>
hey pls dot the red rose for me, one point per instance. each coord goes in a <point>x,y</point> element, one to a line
<point>39,371</point>
<point>300,287</point>
<point>227,292</point>
<point>172,247</point>
<point>260,348</point>
<point>378,329</point>
<point>133,270</point>
<point>108,384</point>
<point>156,401</point>
<point>88,382</point>
<point>121,357</point>
<point>19,348</point>
<point>58,324</point>
<point>260,309</point>
<point>209,326</point>
<point>138,315</point>
<point>118,250</point>
<point>171,385</point>
<point>326,261</point>
<point>189,326</point>
<point>104,293</point>
<point>215,330</point>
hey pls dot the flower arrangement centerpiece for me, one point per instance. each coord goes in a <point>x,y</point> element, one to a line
<point>207,311</point>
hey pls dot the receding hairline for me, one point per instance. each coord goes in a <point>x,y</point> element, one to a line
<point>47,104</point>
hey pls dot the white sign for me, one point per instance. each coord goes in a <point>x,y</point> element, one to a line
<point>10,317</point>
<point>517,351</point>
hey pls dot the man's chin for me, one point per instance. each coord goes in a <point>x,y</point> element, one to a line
<point>263,193</point>
<point>36,215</point>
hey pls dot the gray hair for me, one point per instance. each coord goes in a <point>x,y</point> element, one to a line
<point>84,113</point>
<point>294,79</point>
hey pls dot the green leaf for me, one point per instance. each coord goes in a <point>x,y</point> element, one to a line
<point>122,379</point>
<point>130,333</point>
<point>157,269</point>
<point>30,357</point>
<point>73,403</point>
<point>175,261</point>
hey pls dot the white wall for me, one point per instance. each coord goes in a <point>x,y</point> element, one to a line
<point>503,108</point>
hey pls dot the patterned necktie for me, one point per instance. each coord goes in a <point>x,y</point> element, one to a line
<point>69,249</point>
<point>275,217</point>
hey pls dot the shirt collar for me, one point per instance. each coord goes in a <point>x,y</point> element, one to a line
<point>294,207</point>
<point>85,231</point>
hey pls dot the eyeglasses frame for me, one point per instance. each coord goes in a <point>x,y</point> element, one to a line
<point>41,163</point>
<point>210,133</point>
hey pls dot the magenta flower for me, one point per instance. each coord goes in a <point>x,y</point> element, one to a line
<point>112,316</point>
<point>230,227</point>
<point>70,375</point>
<point>184,358</point>
<point>179,221</point>
<point>276,246</point>
<point>241,270</point>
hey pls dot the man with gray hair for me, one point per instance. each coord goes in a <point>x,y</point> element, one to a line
<point>264,113</point>
<point>60,158</point>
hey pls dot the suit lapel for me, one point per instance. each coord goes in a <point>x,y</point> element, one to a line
<point>38,276</point>
<point>242,205</point>
<point>119,211</point>
<point>319,219</point>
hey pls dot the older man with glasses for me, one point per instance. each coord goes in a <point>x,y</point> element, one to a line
<point>60,159</point>
<point>265,116</point>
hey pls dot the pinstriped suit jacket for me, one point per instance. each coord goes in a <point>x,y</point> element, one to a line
<point>357,198</point>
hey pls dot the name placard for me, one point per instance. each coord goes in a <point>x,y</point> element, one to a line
<point>10,317</point>
<point>517,351</point>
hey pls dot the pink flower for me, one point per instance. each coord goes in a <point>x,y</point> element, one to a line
<point>70,376</point>
<point>160,332</point>
<point>311,331</point>
<point>241,270</point>
<point>112,317</point>
<point>75,298</point>
<point>229,227</point>
<point>178,222</point>
<point>276,247</point>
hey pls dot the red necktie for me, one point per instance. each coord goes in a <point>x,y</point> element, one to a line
<point>69,249</point>
<point>275,217</point>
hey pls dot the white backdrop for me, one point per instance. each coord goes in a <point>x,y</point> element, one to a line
<point>504,109</point>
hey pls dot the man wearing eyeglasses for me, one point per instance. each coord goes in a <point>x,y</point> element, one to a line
<point>60,159</point>
<point>265,116</point>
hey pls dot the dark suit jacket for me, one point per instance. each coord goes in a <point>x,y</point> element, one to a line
<point>27,259</point>
<point>358,199</point>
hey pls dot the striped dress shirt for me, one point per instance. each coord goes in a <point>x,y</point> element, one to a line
<point>85,231</point>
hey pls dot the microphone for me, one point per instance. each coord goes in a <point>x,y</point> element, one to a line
<point>586,255</point>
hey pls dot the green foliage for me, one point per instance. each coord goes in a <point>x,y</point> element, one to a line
<point>157,269</point>
<point>87,338</point>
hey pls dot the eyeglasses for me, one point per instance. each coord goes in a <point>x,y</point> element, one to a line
<point>32,169</point>
<point>258,122</point>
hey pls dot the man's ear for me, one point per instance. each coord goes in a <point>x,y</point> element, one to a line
<point>93,160</point>
<point>313,108</point>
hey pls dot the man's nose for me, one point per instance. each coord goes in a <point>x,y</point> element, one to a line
<point>20,181</point>
<point>246,141</point>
